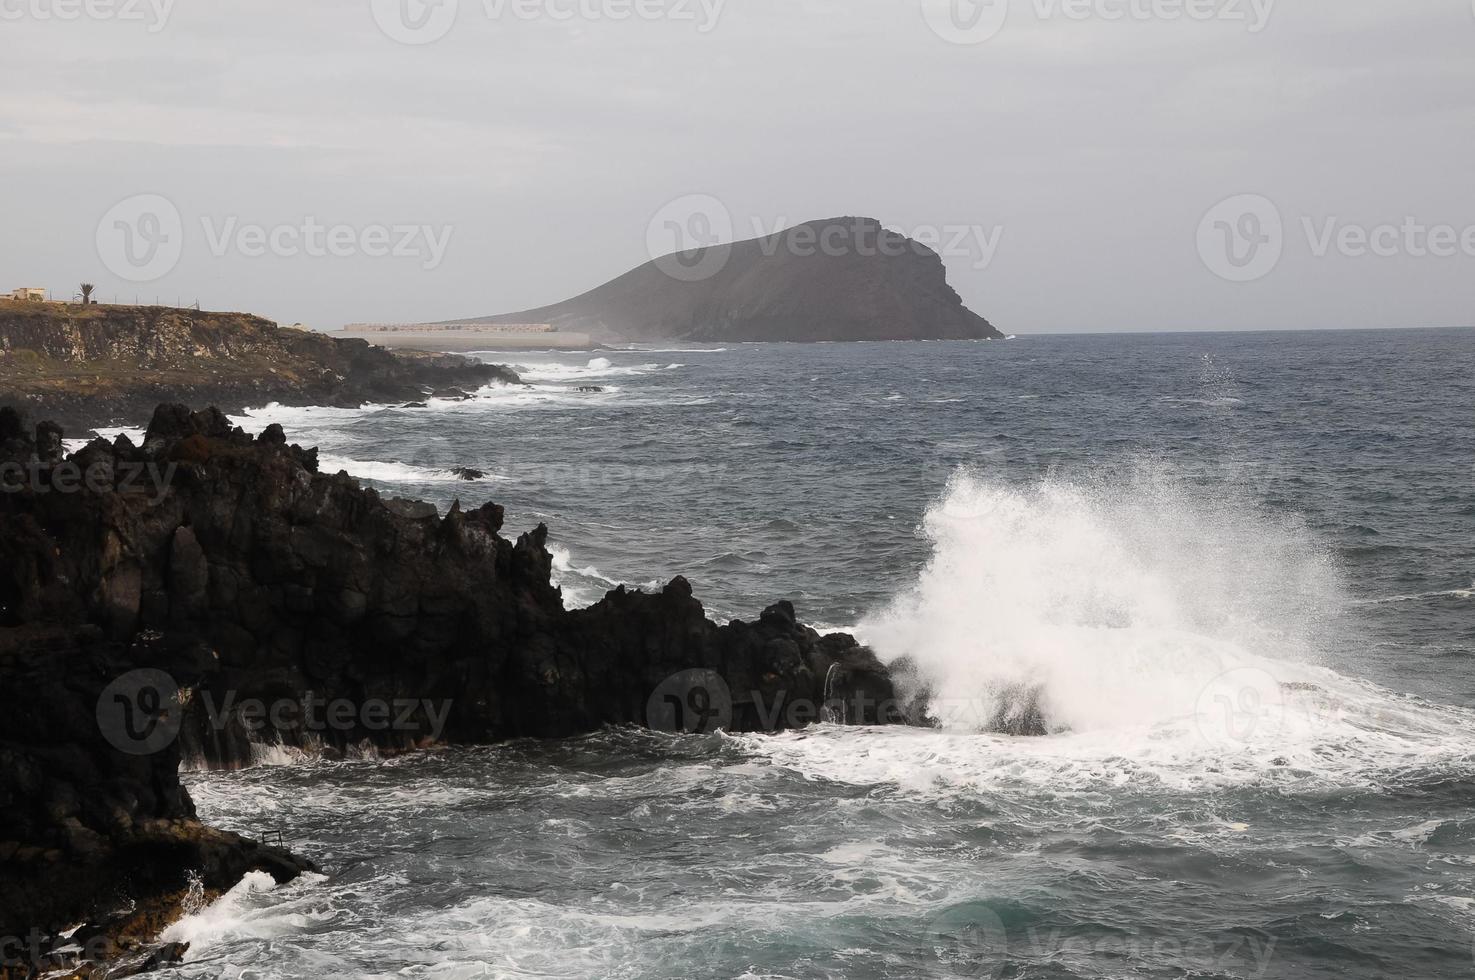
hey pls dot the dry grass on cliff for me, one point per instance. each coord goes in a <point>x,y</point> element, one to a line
<point>58,349</point>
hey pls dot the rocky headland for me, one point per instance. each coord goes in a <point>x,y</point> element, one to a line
<point>84,366</point>
<point>835,279</point>
<point>208,594</point>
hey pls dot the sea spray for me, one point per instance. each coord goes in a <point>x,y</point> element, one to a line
<point>1104,601</point>
<point>194,896</point>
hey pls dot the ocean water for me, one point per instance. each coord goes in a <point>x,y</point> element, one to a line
<point>1238,569</point>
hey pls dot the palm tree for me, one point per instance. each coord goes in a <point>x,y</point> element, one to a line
<point>87,289</point>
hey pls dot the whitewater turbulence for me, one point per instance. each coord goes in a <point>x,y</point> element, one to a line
<point>1137,603</point>
<point>1116,601</point>
<point>1166,636</point>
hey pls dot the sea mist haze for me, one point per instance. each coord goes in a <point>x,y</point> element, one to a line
<point>1236,572</point>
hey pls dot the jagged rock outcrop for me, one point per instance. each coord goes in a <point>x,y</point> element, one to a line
<point>208,593</point>
<point>87,830</point>
<point>86,366</point>
<point>834,279</point>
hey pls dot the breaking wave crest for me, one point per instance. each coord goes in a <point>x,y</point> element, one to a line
<point>1117,600</point>
<point>1162,634</point>
<point>380,471</point>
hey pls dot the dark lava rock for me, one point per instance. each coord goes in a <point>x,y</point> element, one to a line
<point>143,625</point>
<point>468,474</point>
<point>86,827</point>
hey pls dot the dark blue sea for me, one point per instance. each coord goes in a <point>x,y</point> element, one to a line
<point>1239,567</point>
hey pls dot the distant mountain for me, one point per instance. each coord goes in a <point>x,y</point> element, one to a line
<point>834,279</point>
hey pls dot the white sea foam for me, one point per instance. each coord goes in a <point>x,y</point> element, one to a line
<point>622,931</point>
<point>586,585</point>
<point>1424,596</point>
<point>134,434</point>
<point>580,585</point>
<point>1173,637</point>
<point>300,421</point>
<point>1310,744</point>
<point>391,472</point>
<point>1121,597</point>
<point>675,350</point>
<point>547,384</point>
<point>247,911</point>
<point>599,367</point>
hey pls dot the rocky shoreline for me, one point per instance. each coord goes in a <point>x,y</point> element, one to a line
<point>209,595</point>
<point>99,365</point>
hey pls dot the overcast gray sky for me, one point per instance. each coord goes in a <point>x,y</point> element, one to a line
<point>1070,156</point>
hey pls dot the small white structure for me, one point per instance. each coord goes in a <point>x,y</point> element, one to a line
<point>28,295</point>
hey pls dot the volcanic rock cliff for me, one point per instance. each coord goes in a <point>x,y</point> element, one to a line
<point>207,593</point>
<point>89,365</point>
<point>836,279</point>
